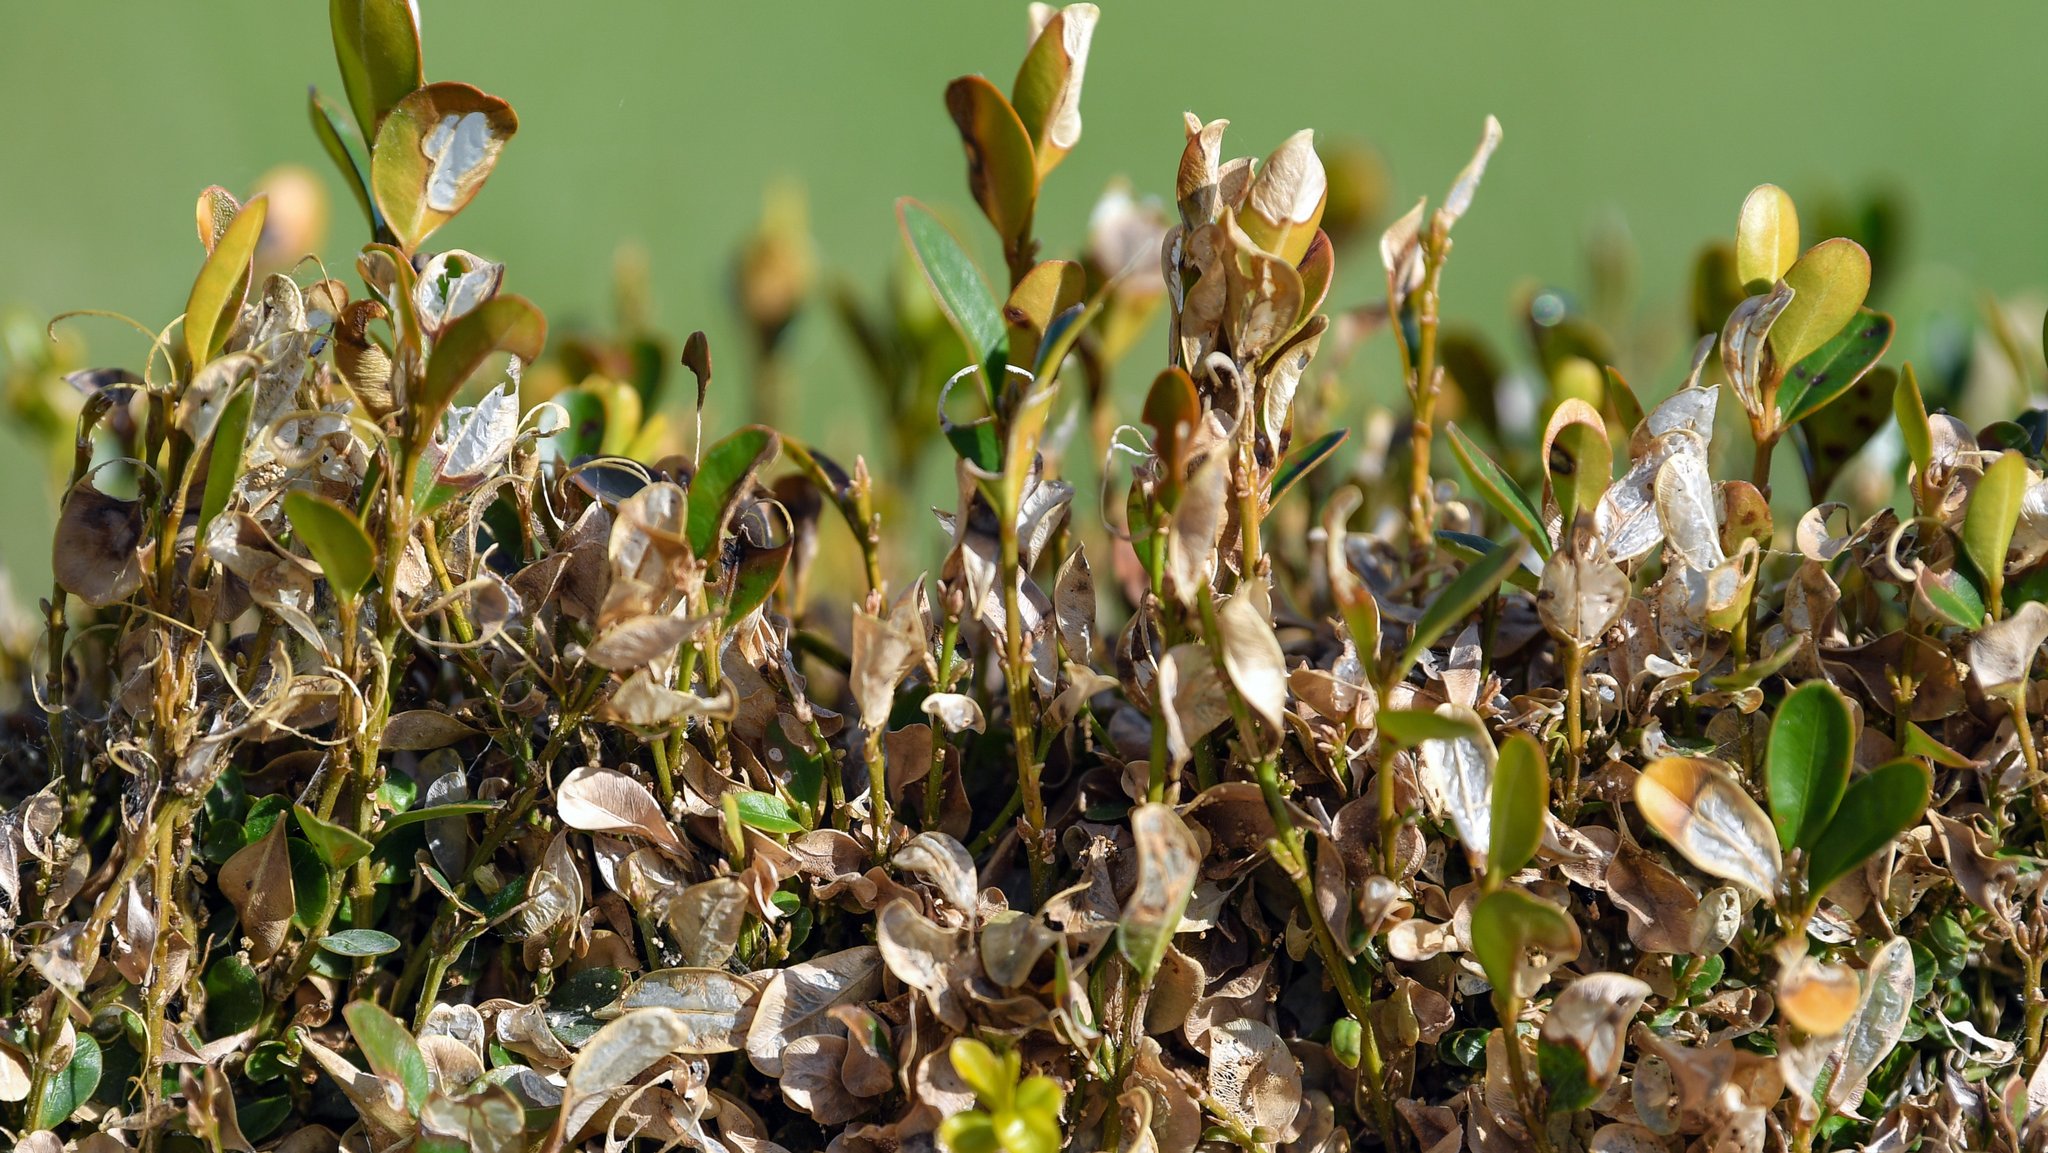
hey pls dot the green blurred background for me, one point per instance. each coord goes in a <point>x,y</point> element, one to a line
<point>660,122</point>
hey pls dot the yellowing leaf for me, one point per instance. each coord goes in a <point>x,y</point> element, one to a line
<point>1766,238</point>
<point>1694,804</point>
<point>434,150</point>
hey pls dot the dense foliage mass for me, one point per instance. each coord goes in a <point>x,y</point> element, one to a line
<point>420,751</point>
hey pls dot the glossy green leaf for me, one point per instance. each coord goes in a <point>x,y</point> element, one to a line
<point>1001,170</point>
<point>768,813</point>
<point>311,883</point>
<point>1578,461</point>
<point>1951,597</point>
<point>1988,522</point>
<point>761,563</point>
<point>1506,925</point>
<point>338,845</point>
<point>1456,600</point>
<point>1303,461</point>
<point>1469,547</point>
<point>1408,728</point>
<point>72,1086</point>
<point>223,283</point>
<point>337,541</point>
<point>389,1049</point>
<point>1911,413</point>
<point>360,943</point>
<point>1918,744</point>
<point>955,283</point>
<point>1828,283</point>
<point>234,995</point>
<point>224,465</point>
<point>1812,744</point>
<point>1766,238</point>
<point>1877,807</point>
<point>344,146</point>
<point>1498,489</point>
<point>1521,799</point>
<point>377,46</point>
<point>1833,368</point>
<point>435,149</point>
<point>438,812</point>
<point>724,476</point>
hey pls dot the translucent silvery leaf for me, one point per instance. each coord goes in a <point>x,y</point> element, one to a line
<point>1744,342</point>
<point>1457,780</point>
<point>1691,409</point>
<point>1168,861</point>
<point>1627,513</point>
<point>1197,523</point>
<point>958,712</point>
<point>451,284</point>
<point>480,437</point>
<point>945,863</point>
<point>1582,589</point>
<point>1252,657</point>
<point>883,654</point>
<point>1879,1022</point>
<point>709,1004</point>
<point>1458,200</point>
<point>1694,804</point>
<point>1253,1079</point>
<point>1685,509</point>
<point>1195,696</point>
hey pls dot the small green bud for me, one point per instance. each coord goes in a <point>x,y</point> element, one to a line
<point>1347,1041</point>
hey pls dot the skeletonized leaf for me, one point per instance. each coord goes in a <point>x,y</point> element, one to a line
<point>1694,804</point>
<point>1168,859</point>
<point>1197,523</point>
<point>598,800</point>
<point>1582,590</point>
<point>509,324</point>
<point>1879,1022</point>
<point>883,655</point>
<point>708,1004</point>
<point>1252,1076</point>
<point>944,863</point>
<point>1252,657</point>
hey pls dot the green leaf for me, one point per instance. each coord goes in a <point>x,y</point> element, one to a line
<point>573,1008</point>
<point>339,544</point>
<point>723,477</point>
<point>1911,412</point>
<point>759,568</point>
<point>984,1072</point>
<point>1812,745</point>
<point>224,465</point>
<point>435,149</point>
<point>435,813</point>
<point>1506,925</point>
<point>1952,597</point>
<point>1047,87</point>
<point>509,324</point>
<point>1766,238</point>
<point>377,46</point>
<point>360,943</point>
<point>389,1049</point>
<point>71,1086</point>
<point>1563,1070</point>
<point>234,996</point>
<point>1002,172</point>
<point>1878,806</point>
<point>1830,370</point>
<point>1918,744</point>
<point>1521,799</point>
<point>216,298</point>
<point>1580,464</point>
<point>1828,285</point>
<point>337,845</point>
<point>344,146</point>
<point>1469,547</point>
<point>1408,728</point>
<point>1456,600</point>
<point>768,813</point>
<point>1303,461</point>
<point>310,883</point>
<point>955,283</point>
<point>1499,490</point>
<point>1993,512</point>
